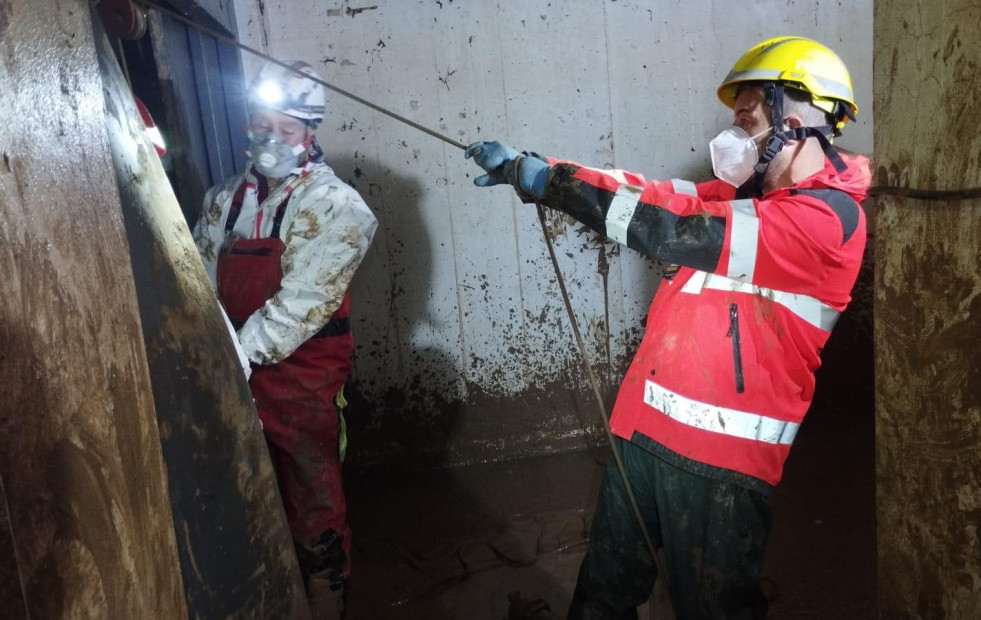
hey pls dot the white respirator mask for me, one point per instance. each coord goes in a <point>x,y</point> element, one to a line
<point>272,157</point>
<point>734,155</point>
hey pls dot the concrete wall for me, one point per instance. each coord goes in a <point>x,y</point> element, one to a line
<point>928,311</point>
<point>465,351</point>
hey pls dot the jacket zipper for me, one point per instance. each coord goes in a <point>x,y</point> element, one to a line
<point>737,358</point>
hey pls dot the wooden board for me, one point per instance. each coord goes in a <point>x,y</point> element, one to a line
<point>928,311</point>
<point>236,552</point>
<point>84,489</point>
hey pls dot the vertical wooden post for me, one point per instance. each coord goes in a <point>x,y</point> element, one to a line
<point>86,509</point>
<point>235,549</point>
<point>928,310</point>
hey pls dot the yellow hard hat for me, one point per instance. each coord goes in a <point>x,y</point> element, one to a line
<point>797,63</point>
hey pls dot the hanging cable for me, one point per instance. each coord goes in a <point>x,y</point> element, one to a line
<point>940,195</point>
<point>601,406</point>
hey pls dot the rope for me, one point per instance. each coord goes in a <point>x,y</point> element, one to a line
<point>601,406</point>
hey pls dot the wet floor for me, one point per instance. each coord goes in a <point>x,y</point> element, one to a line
<point>452,544</point>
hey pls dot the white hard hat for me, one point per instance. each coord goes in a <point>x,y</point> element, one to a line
<point>282,90</point>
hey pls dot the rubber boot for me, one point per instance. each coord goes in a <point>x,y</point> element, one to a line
<point>326,600</point>
<point>322,564</point>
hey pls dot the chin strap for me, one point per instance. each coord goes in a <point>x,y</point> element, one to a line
<point>779,139</point>
<point>774,99</point>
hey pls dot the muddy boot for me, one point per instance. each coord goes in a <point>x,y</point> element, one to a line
<point>322,564</point>
<point>326,599</point>
<point>529,609</point>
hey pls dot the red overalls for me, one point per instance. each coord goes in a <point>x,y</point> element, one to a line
<point>295,397</point>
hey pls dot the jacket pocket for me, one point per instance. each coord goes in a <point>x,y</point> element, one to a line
<point>737,357</point>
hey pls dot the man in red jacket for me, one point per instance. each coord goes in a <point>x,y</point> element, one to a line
<point>722,379</point>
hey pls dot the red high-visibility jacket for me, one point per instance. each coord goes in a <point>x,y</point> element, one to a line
<point>725,371</point>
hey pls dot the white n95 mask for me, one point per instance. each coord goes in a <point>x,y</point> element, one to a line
<point>273,158</point>
<point>734,155</point>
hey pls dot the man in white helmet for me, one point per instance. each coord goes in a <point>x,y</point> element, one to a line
<point>280,244</point>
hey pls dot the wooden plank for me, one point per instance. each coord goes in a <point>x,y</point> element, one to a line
<point>235,548</point>
<point>80,457</point>
<point>928,311</point>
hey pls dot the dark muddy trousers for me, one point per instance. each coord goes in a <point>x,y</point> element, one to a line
<point>713,535</point>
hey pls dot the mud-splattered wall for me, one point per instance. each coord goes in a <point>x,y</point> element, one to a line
<point>928,311</point>
<point>465,351</point>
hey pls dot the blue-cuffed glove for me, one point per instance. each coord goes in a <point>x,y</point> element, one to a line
<point>491,156</point>
<point>503,164</point>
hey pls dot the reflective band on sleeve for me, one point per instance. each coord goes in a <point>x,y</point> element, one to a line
<point>620,213</point>
<point>719,419</point>
<point>682,186</point>
<point>619,175</point>
<point>695,283</point>
<point>814,311</point>
<point>743,240</point>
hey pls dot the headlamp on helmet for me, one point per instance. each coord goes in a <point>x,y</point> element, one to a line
<point>293,90</point>
<point>269,93</point>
